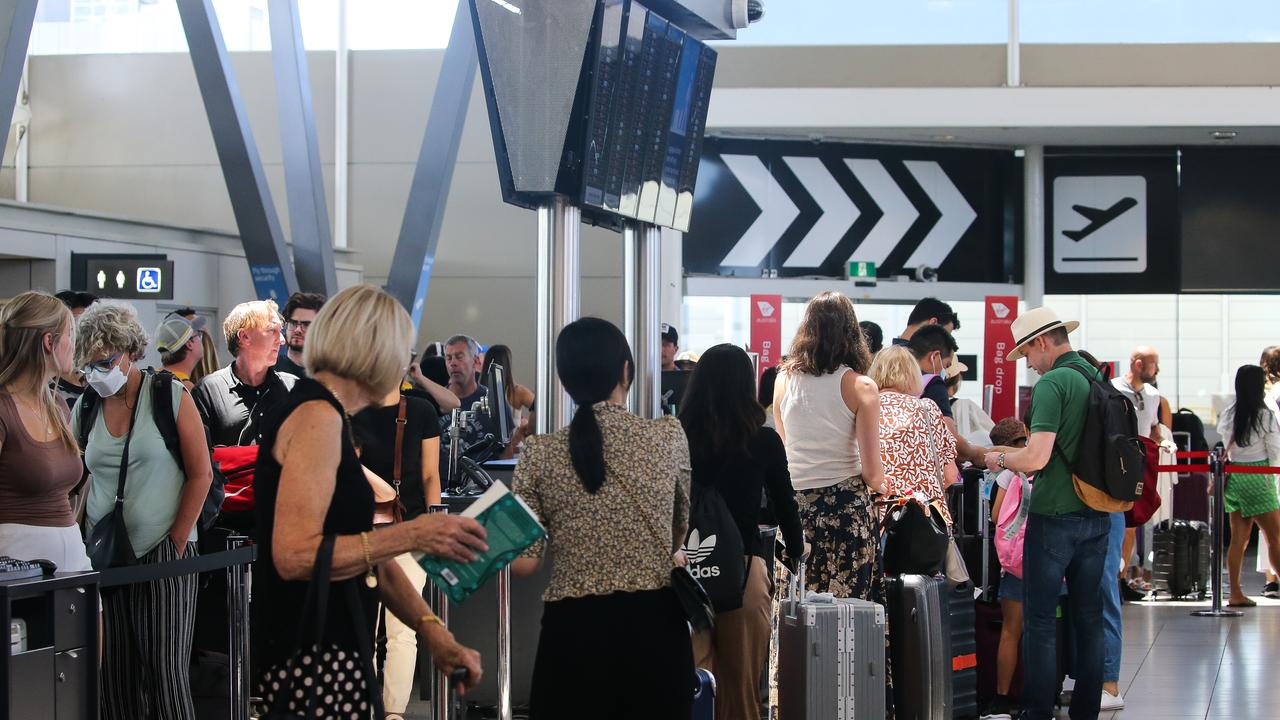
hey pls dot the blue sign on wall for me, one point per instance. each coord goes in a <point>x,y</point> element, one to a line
<point>268,283</point>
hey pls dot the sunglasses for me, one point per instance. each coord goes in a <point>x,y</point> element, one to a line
<point>101,365</point>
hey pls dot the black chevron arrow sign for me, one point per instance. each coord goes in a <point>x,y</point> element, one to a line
<point>810,208</point>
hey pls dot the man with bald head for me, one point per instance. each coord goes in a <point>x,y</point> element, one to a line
<point>1144,366</point>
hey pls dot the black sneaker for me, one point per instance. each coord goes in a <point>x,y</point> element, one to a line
<point>1000,708</point>
<point>1271,590</point>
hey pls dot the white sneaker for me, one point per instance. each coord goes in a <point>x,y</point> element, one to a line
<point>1111,702</point>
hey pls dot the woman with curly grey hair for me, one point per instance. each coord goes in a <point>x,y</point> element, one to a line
<point>147,628</point>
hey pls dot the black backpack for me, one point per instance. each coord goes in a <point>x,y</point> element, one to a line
<point>1188,422</point>
<point>167,423</point>
<point>1111,457</point>
<point>714,548</point>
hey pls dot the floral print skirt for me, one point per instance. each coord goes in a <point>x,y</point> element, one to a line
<point>841,524</point>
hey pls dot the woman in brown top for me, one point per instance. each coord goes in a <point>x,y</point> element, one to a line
<point>39,461</point>
<point>612,490</point>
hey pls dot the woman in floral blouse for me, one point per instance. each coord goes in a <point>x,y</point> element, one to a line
<point>612,490</point>
<point>918,452</point>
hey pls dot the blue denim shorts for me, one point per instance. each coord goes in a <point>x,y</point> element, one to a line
<point>1010,587</point>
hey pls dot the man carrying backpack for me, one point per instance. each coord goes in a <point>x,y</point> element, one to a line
<point>1064,537</point>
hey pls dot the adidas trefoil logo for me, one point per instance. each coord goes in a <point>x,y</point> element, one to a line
<point>698,549</point>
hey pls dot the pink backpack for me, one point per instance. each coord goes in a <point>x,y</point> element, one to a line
<point>1011,525</point>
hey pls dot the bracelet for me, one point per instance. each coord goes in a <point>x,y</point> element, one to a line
<point>1000,462</point>
<point>430,618</point>
<point>370,579</point>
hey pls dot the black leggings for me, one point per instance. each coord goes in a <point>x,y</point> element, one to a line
<point>621,656</point>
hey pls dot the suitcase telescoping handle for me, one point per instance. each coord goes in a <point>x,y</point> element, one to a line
<point>795,586</point>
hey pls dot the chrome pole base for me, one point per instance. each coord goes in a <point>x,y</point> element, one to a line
<point>1217,612</point>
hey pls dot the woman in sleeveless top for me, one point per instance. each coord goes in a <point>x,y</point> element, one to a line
<point>39,458</point>
<point>828,414</point>
<point>309,486</point>
<point>147,627</point>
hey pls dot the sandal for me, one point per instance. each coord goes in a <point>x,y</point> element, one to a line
<point>1245,603</point>
<point>394,716</point>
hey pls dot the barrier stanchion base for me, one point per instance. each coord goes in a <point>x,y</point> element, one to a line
<point>1217,613</point>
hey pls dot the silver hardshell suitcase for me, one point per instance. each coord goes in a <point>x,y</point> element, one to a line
<point>831,660</point>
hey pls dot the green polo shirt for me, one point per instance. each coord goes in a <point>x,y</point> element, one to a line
<point>1059,405</point>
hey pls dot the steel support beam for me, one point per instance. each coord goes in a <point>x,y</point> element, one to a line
<point>1033,226</point>
<point>415,252</point>
<point>260,232</point>
<point>642,305</point>
<point>16,19</point>
<point>303,177</point>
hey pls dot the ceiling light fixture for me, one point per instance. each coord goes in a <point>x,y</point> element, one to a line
<point>1224,134</point>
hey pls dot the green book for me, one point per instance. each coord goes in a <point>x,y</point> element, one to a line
<point>512,528</point>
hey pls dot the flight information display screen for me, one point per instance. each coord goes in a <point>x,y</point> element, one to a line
<point>650,86</point>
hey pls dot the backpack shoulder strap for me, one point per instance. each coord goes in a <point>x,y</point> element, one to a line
<point>162,413</point>
<point>89,402</point>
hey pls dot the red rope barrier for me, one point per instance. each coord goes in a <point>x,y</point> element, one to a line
<point>1252,470</point>
<point>1182,468</point>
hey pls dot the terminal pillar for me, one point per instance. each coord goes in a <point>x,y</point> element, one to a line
<point>642,304</point>
<point>559,226</point>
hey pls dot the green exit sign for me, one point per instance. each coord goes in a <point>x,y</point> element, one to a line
<point>862,270</point>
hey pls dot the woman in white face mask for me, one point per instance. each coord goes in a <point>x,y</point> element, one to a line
<point>147,627</point>
<point>39,460</point>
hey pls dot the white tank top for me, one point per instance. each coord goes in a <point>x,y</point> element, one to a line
<point>822,449</point>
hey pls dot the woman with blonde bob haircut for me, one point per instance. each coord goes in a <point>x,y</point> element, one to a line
<point>312,493</point>
<point>39,459</point>
<point>917,450</point>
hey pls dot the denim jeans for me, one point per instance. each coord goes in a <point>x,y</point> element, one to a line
<point>1113,622</point>
<point>1073,546</point>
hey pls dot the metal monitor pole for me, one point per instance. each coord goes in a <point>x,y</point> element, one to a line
<point>1217,467</point>
<point>559,224</point>
<point>642,283</point>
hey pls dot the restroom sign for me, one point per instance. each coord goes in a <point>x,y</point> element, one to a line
<point>124,276</point>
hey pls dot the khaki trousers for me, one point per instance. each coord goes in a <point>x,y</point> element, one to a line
<point>402,647</point>
<point>736,650</point>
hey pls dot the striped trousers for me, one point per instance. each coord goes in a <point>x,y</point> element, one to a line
<point>146,664</point>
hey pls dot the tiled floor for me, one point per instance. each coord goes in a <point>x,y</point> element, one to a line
<point>1176,666</point>
<point>1179,667</point>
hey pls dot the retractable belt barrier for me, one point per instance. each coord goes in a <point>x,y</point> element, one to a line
<point>236,560</point>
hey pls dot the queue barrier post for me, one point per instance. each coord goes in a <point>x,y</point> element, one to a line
<point>441,694</point>
<point>1217,470</point>
<point>238,642</point>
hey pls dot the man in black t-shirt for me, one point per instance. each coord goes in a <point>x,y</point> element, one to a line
<point>299,312</point>
<point>934,349</point>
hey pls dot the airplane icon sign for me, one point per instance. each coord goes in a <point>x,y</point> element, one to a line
<point>1100,224</point>
<point>1099,217</point>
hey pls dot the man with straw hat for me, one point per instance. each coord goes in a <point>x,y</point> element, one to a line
<point>1064,538</point>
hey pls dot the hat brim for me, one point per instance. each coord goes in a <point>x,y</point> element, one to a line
<point>1017,352</point>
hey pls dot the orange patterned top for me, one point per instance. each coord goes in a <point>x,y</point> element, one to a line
<point>915,446</point>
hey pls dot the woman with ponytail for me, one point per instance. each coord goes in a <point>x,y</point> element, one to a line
<point>39,462</point>
<point>612,490</point>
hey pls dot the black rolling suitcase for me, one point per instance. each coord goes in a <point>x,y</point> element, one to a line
<point>961,627</point>
<point>1181,558</point>
<point>920,647</point>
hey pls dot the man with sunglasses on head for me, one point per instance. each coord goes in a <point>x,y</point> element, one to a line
<point>233,400</point>
<point>299,312</point>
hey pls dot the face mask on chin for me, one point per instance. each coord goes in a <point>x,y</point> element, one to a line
<point>107,382</point>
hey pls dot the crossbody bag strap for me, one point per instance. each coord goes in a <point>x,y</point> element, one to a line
<point>400,425</point>
<point>128,440</point>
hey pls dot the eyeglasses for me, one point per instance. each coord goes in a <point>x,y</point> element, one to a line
<point>299,324</point>
<point>101,365</point>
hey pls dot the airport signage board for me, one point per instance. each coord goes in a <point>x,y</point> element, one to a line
<point>998,372</point>
<point>791,208</point>
<point>1111,222</point>
<point>1230,219</point>
<point>766,330</point>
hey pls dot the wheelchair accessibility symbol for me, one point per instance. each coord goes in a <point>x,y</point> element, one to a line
<point>148,280</point>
